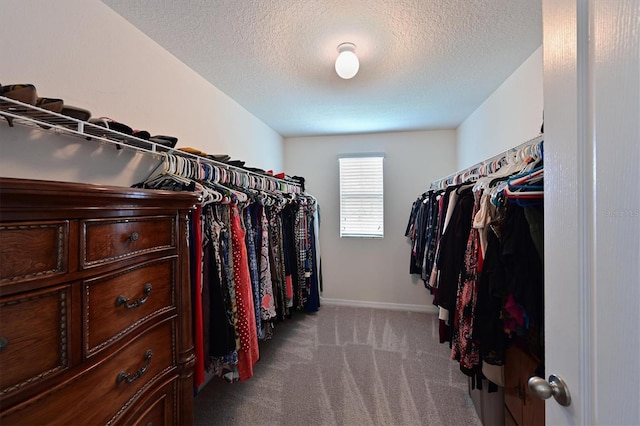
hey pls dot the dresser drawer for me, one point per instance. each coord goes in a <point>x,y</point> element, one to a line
<point>34,340</point>
<point>31,250</point>
<point>115,304</point>
<point>103,394</point>
<point>108,240</point>
<point>158,410</point>
<point>68,251</point>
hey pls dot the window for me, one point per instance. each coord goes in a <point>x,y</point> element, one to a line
<point>361,197</point>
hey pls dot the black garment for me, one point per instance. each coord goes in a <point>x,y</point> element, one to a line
<point>410,232</point>
<point>420,216</point>
<point>412,216</point>
<point>492,292</point>
<point>423,230</point>
<point>524,274</point>
<point>220,330</point>
<point>431,235</point>
<point>535,219</point>
<point>523,266</point>
<point>452,248</point>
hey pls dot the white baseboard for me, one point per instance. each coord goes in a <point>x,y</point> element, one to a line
<point>379,305</point>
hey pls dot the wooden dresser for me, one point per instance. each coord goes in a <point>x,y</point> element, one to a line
<point>95,308</point>
<point>521,407</point>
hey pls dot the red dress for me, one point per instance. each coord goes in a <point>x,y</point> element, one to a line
<point>249,352</point>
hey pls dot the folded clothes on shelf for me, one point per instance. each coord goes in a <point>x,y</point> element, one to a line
<point>193,151</point>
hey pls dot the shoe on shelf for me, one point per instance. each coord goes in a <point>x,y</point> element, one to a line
<point>110,124</point>
<point>142,134</point>
<point>75,112</point>
<point>50,104</point>
<point>25,93</point>
<point>168,141</point>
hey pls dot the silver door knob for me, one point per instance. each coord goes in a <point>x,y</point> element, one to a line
<point>556,387</point>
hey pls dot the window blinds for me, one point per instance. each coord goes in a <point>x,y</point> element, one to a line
<point>361,197</point>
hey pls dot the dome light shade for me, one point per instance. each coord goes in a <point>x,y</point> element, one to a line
<point>347,64</point>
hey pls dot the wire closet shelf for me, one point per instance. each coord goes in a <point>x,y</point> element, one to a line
<point>30,115</point>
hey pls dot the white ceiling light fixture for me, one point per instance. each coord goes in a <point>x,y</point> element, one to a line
<point>347,64</point>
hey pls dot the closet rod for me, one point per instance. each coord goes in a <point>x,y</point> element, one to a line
<point>533,141</point>
<point>54,121</point>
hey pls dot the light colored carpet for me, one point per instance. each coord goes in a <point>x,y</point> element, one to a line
<point>346,366</point>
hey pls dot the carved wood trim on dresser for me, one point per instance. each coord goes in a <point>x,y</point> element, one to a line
<point>95,305</point>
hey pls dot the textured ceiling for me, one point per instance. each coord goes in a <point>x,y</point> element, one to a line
<point>424,64</point>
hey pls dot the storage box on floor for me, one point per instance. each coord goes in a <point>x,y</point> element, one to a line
<point>489,405</point>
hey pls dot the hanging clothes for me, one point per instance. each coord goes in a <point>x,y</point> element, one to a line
<point>524,277</point>
<point>453,245</point>
<point>312,266</point>
<point>249,353</point>
<point>254,274</point>
<point>221,333</point>
<point>196,280</point>
<point>254,261</point>
<point>267,305</point>
<point>478,247</point>
<point>225,365</point>
<point>278,268</point>
<point>465,348</point>
<point>290,253</point>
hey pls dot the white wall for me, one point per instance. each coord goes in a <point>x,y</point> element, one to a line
<point>83,52</point>
<point>510,116</point>
<point>374,271</point>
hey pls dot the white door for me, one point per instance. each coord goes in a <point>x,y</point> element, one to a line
<point>592,208</point>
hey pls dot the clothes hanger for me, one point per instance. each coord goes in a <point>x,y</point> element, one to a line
<point>527,177</point>
<point>515,163</point>
<point>206,196</point>
<point>526,183</point>
<point>169,174</point>
<point>210,193</point>
<point>523,194</point>
<point>524,186</point>
<point>239,195</point>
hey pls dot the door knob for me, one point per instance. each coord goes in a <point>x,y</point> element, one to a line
<point>556,387</point>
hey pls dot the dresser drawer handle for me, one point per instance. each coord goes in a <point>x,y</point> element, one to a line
<point>121,300</point>
<point>125,377</point>
<point>134,236</point>
<point>3,343</point>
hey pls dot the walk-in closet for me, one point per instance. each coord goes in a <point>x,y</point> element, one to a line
<point>319,212</point>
